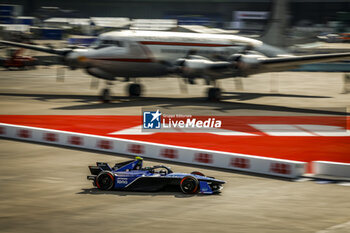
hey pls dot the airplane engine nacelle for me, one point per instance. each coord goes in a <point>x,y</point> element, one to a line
<point>236,65</point>
<point>98,73</point>
<point>193,67</point>
<point>249,59</point>
<point>243,64</point>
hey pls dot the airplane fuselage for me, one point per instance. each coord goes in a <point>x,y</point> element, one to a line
<point>149,54</point>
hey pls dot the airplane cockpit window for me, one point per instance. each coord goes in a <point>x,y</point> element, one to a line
<point>106,43</point>
<point>111,43</point>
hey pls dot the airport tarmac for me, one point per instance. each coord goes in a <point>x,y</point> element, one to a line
<point>285,93</point>
<point>45,188</point>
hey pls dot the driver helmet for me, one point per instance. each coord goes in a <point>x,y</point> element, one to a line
<point>162,172</point>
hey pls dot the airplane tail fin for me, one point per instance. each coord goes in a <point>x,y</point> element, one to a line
<point>275,33</point>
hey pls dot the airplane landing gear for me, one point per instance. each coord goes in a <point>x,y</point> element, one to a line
<point>135,90</point>
<point>106,95</point>
<point>214,94</point>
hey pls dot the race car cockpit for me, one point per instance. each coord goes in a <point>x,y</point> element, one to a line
<point>159,169</point>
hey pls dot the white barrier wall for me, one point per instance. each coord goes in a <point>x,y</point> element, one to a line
<point>331,168</point>
<point>234,161</point>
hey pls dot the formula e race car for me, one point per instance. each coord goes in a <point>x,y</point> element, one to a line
<point>131,176</point>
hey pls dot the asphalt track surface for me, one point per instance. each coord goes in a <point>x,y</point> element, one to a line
<point>44,189</point>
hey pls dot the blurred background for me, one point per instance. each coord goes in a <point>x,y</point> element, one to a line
<point>41,19</point>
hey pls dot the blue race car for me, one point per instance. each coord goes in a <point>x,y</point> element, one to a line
<point>131,176</point>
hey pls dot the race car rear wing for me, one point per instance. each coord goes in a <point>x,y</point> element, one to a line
<point>95,170</point>
<point>135,164</point>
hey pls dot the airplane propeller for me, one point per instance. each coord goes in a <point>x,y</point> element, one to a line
<point>183,86</point>
<point>94,83</point>
<point>238,83</point>
<point>60,74</point>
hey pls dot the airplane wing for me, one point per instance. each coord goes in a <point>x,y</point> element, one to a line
<point>292,62</point>
<point>246,65</point>
<point>60,52</point>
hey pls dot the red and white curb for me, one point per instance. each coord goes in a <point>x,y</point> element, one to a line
<point>234,161</point>
<point>331,169</point>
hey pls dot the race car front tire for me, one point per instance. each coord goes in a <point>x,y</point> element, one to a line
<point>189,185</point>
<point>105,180</point>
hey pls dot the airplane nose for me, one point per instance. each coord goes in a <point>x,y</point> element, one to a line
<point>75,60</point>
<point>82,59</point>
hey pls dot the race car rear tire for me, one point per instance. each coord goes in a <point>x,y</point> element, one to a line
<point>189,185</point>
<point>197,173</point>
<point>105,180</point>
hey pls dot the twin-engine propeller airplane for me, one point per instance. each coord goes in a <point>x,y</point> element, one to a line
<point>132,54</point>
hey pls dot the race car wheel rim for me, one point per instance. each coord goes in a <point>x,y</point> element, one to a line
<point>189,185</point>
<point>105,181</point>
